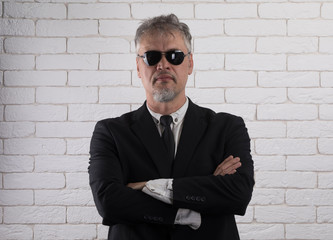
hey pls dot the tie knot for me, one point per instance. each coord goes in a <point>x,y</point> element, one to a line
<point>166,120</point>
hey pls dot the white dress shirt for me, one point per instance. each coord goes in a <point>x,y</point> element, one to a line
<point>161,189</point>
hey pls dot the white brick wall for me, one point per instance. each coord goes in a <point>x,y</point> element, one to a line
<point>65,64</point>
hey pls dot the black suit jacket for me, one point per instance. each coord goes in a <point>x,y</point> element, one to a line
<point>129,149</point>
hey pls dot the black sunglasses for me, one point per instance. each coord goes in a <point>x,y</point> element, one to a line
<point>175,57</point>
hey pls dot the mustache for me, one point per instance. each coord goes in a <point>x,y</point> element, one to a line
<point>164,73</point>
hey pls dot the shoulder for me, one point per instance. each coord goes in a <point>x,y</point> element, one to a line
<point>212,116</point>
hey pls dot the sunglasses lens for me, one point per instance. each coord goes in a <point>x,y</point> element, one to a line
<point>153,57</point>
<point>175,57</point>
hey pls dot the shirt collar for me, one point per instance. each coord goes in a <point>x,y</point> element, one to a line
<point>177,117</point>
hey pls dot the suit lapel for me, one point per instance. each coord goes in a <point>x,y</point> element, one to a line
<point>193,129</point>
<point>145,129</point>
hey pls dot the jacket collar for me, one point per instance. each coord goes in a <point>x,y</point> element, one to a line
<point>193,129</point>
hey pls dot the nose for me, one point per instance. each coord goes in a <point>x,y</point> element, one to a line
<point>163,63</point>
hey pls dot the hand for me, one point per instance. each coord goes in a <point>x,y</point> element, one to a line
<point>228,166</point>
<point>136,185</point>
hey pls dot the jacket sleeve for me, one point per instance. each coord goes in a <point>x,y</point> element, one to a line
<point>229,194</point>
<point>116,202</point>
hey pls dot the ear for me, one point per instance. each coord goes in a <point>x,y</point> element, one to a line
<point>190,64</point>
<point>138,68</point>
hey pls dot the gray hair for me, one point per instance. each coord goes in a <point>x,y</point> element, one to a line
<point>163,24</point>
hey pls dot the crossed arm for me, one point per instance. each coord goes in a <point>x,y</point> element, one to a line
<point>228,166</point>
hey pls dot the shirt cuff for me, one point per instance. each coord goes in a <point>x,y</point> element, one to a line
<point>160,189</point>
<point>188,217</point>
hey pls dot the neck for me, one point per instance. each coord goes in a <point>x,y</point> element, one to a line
<point>166,108</point>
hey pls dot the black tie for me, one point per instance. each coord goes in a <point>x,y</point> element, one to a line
<point>167,136</point>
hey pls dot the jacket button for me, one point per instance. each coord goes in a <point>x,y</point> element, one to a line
<point>203,199</point>
<point>187,197</point>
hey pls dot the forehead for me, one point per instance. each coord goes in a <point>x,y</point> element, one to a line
<point>162,41</point>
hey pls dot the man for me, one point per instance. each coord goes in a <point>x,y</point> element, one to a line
<point>181,180</point>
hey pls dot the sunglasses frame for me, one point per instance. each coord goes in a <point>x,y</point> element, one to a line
<point>145,59</point>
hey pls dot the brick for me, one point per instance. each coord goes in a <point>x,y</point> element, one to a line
<point>213,79</point>
<point>224,45</point>
<point>310,62</point>
<point>199,96</point>
<point>288,79</point>
<point>98,45</point>
<point>16,129</point>
<point>269,163</point>
<point>77,180</point>
<point>247,111</point>
<point>17,27</point>
<point>121,95</point>
<point>286,146</point>
<point>255,62</point>
<point>118,62</point>
<point>71,197</point>
<point>261,231</point>
<point>95,112</point>
<point>16,232</point>
<point>66,28</point>
<point>286,179</point>
<point>35,214</point>
<point>2,113</point>
<point>313,28</point>
<point>35,10</point>
<point>146,10</point>
<point>325,145</point>
<point>317,163</point>
<point>65,129</point>
<point>80,215</point>
<point>102,231</point>
<point>266,129</point>
<point>78,146</point>
<point>255,95</point>
<point>17,95</point>
<point>287,45</point>
<point>35,45</point>
<point>263,196</point>
<point>35,78</point>
<point>76,62</point>
<point>284,214</point>
<point>36,113</point>
<point>326,112</point>
<point>99,11</point>
<point>50,232</point>
<point>287,112</point>
<point>225,11</point>
<point>32,146</point>
<point>204,28</point>
<point>16,62</point>
<point>310,129</point>
<point>66,95</point>
<point>16,164</point>
<point>209,61</point>
<point>309,197</point>
<point>326,45</point>
<point>325,180</point>
<point>254,27</point>
<point>327,10</point>
<point>325,214</point>
<point>99,78</point>
<point>16,197</point>
<point>289,10</point>
<point>309,231</point>
<point>34,180</point>
<point>118,27</point>
<point>60,163</point>
<point>327,79</point>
